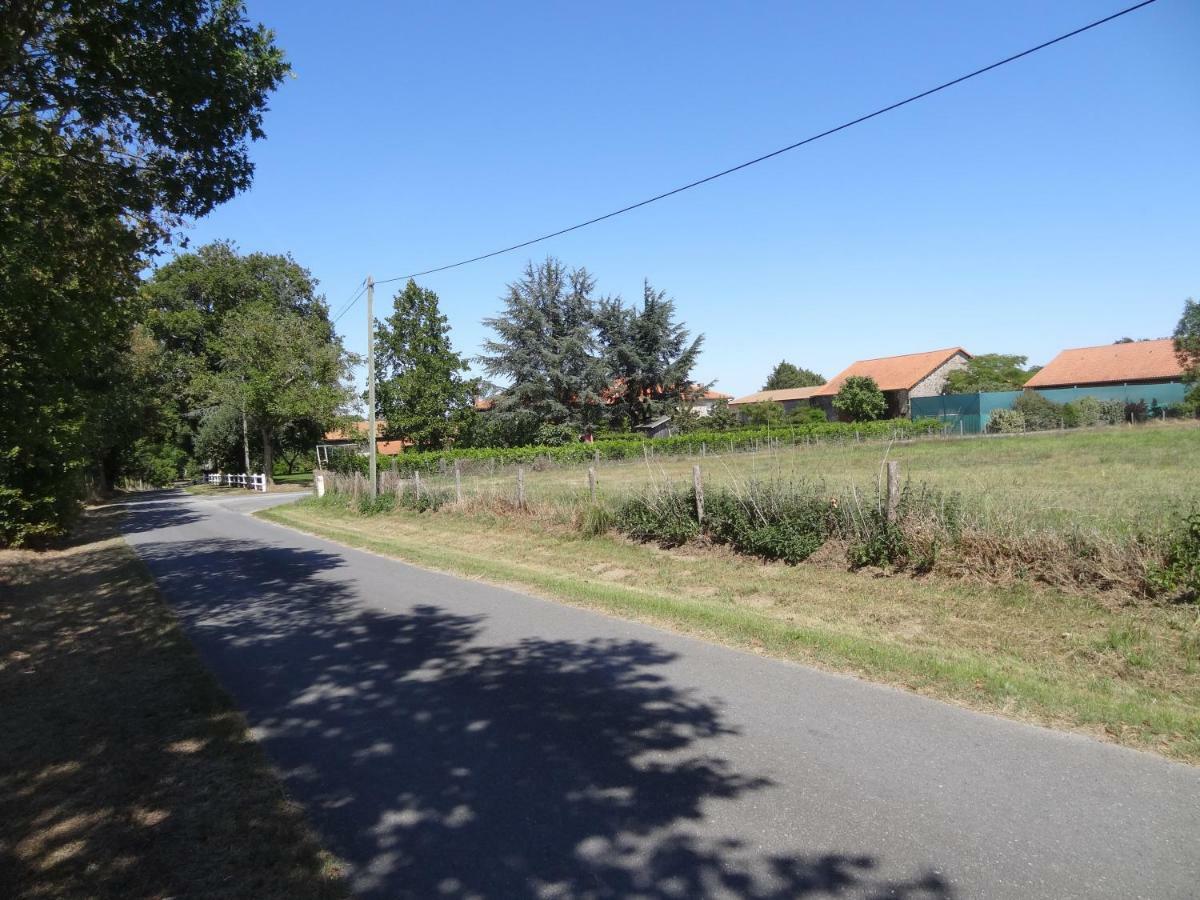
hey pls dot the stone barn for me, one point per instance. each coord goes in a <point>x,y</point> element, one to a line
<point>899,377</point>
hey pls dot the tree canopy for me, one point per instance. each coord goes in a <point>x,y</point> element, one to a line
<point>420,388</point>
<point>990,372</point>
<point>1187,340</point>
<point>117,121</point>
<point>860,399</point>
<point>787,375</point>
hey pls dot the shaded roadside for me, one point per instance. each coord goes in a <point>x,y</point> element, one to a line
<point>124,769</point>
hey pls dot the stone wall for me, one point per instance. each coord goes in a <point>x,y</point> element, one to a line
<point>933,383</point>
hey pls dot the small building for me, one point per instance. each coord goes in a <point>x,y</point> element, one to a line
<point>1111,365</point>
<point>788,398</point>
<point>899,377</point>
<point>656,427</point>
<point>702,400</point>
<point>353,437</point>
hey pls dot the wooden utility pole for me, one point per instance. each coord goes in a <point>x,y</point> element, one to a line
<point>371,382</point>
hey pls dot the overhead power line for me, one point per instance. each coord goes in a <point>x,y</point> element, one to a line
<point>780,151</point>
<point>358,292</point>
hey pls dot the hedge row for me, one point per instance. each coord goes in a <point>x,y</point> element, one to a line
<point>679,445</point>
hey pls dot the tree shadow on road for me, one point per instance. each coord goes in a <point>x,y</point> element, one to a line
<point>440,766</point>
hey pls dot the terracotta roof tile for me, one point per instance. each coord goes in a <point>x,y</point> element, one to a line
<point>892,373</point>
<point>776,396</point>
<point>1111,363</point>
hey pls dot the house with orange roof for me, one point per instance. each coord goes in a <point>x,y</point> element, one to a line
<point>356,433</point>
<point>1110,365</point>
<point>901,378</point>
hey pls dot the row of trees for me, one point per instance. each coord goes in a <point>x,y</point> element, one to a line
<point>117,122</point>
<point>571,360</point>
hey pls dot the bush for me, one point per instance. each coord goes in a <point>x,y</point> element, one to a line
<point>860,399</point>
<point>1182,570</point>
<point>769,520</point>
<point>666,517</point>
<point>1040,414</point>
<point>1135,412</point>
<point>1006,421</point>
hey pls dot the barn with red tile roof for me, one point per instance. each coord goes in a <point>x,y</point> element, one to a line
<point>1135,362</point>
<point>899,377</point>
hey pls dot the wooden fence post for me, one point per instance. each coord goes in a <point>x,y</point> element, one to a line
<point>596,458</point>
<point>698,489</point>
<point>893,489</point>
<point>520,487</point>
<point>417,482</point>
<point>592,482</point>
<point>458,481</point>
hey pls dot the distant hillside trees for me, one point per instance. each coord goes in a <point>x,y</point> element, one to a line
<point>787,375</point>
<point>990,372</point>
<point>421,391</point>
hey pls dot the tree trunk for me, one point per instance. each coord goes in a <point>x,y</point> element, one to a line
<point>245,444</point>
<point>268,457</point>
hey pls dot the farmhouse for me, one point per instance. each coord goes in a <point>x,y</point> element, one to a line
<point>788,398</point>
<point>1133,363</point>
<point>355,434</point>
<point>899,377</point>
<point>702,400</point>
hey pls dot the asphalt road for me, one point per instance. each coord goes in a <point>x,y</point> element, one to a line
<point>451,739</point>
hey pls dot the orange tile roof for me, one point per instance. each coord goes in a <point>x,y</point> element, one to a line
<point>707,395</point>
<point>892,373</point>
<point>1138,361</point>
<point>776,396</point>
<point>358,428</point>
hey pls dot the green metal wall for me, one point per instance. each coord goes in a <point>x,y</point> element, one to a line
<point>970,413</point>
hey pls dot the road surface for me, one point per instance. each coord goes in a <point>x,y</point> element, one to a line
<point>452,739</point>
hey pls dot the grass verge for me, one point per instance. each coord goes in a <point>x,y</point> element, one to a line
<point>1129,674</point>
<point>124,769</point>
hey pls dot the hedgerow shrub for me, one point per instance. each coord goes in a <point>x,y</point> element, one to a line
<point>611,449</point>
<point>1181,573</point>
<point>774,521</point>
<point>1006,421</point>
<point>1040,414</point>
<point>664,516</point>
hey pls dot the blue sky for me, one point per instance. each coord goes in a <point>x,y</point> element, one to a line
<point>1049,204</point>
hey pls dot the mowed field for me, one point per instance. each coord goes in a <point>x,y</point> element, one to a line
<point>1111,479</point>
<point>1116,666</point>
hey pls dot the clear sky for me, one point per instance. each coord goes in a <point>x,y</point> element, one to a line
<point>1052,203</point>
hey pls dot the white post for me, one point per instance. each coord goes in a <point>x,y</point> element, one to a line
<point>319,483</point>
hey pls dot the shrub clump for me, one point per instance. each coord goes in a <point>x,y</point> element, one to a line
<point>1181,574</point>
<point>1006,421</point>
<point>770,520</point>
<point>666,517</point>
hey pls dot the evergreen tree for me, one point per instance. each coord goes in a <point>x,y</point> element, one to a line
<point>786,375</point>
<point>648,355</point>
<point>421,392</point>
<point>546,346</point>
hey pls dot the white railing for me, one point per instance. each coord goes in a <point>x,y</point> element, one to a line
<point>251,482</point>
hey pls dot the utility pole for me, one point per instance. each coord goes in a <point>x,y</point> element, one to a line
<point>371,382</point>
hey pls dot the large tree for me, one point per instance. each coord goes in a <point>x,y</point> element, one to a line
<point>787,375</point>
<point>990,372</point>
<point>648,355</point>
<point>117,120</point>
<point>420,391</point>
<point>546,346</point>
<point>860,400</point>
<point>279,368</point>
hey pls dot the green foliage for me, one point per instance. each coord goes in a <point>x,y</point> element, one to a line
<point>1006,421</point>
<point>775,521</point>
<point>1039,413</point>
<point>420,391</point>
<point>990,372</point>
<point>597,520</point>
<point>765,413</point>
<point>648,356</point>
<point>786,375</point>
<point>805,415</point>
<point>721,417</point>
<point>1187,340</point>
<point>666,517</point>
<point>860,399</point>
<point>546,346</point>
<point>118,121</point>
<point>1181,572</point>
<point>612,448</point>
